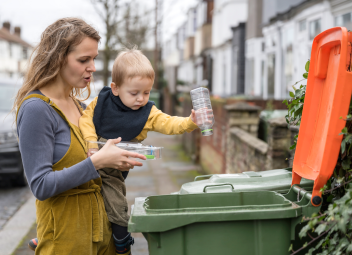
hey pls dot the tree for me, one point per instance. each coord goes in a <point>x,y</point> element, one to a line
<point>132,29</point>
<point>109,15</point>
<point>124,27</point>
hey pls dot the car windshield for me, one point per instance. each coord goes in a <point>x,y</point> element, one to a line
<point>7,97</point>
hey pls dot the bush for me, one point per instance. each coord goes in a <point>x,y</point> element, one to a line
<point>333,226</point>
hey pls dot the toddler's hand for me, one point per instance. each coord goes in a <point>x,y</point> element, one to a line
<point>91,152</point>
<point>193,116</point>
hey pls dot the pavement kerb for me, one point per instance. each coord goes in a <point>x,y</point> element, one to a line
<point>17,227</point>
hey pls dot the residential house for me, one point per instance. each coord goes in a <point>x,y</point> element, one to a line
<point>238,59</point>
<point>186,70</point>
<point>14,52</point>
<point>226,14</point>
<point>202,43</point>
<point>289,27</point>
<point>254,57</point>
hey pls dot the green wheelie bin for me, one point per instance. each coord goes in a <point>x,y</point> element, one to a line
<point>241,223</point>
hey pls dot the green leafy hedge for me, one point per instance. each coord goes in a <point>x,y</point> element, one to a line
<point>332,228</point>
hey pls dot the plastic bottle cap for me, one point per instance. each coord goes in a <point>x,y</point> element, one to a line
<point>207,132</point>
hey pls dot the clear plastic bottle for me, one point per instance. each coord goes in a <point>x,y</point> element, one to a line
<point>203,110</point>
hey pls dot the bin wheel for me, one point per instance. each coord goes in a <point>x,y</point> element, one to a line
<point>316,200</point>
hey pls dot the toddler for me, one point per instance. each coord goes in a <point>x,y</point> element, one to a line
<point>124,110</point>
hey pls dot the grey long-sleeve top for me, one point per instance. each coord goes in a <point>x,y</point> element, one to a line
<point>44,138</point>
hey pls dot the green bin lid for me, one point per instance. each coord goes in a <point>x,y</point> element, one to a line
<point>278,180</point>
<point>166,212</point>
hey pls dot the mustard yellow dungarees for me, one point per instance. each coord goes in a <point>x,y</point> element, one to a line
<point>73,222</point>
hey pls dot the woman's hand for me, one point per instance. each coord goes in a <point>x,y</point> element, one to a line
<point>112,156</point>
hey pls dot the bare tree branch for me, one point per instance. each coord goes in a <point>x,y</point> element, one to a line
<point>124,26</point>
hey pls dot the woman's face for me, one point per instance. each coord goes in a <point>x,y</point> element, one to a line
<point>77,72</point>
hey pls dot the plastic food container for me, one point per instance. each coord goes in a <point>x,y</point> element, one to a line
<point>149,151</point>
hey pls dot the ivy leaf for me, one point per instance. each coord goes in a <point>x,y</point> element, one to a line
<point>349,248</point>
<point>295,102</point>
<point>305,75</point>
<point>329,199</point>
<point>293,146</point>
<point>291,247</point>
<point>292,94</point>
<point>298,93</point>
<point>320,229</point>
<point>344,131</point>
<point>346,163</point>
<point>343,146</point>
<point>304,231</point>
<point>307,66</point>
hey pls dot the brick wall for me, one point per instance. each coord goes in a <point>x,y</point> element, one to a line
<point>213,148</point>
<point>247,153</point>
<point>231,150</point>
<point>279,142</point>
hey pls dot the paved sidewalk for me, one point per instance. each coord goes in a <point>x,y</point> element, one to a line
<point>153,178</point>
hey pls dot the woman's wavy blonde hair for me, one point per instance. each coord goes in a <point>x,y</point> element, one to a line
<point>49,56</point>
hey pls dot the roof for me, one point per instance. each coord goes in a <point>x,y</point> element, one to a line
<point>7,36</point>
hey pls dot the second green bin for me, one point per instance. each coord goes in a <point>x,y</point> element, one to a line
<point>278,180</point>
<point>241,223</point>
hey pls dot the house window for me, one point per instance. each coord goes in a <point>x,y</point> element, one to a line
<point>302,25</point>
<point>314,28</point>
<point>224,76</point>
<point>288,69</point>
<point>24,53</point>
<point>10,50</point>
<point>235,86</point>
<point>262,77</point>
<point>195,20</point>
<point>344,20</point>
<point>271,75</point>
<point>249,79</point>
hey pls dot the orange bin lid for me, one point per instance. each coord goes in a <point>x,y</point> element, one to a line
<point>328,96</point>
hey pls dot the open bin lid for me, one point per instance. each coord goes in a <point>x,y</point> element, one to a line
<point>327,98</point>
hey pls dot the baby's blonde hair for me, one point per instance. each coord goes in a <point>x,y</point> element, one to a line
<point>131,63</point>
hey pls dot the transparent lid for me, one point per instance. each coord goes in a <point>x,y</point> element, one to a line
<point>149,151</point>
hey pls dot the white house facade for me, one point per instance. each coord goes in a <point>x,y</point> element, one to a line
<point>226,14</point>
<point>14,52</point>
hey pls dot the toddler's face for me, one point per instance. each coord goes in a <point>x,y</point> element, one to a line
<point>134,93</point>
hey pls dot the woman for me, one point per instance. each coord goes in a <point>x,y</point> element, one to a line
<point>70,211</point>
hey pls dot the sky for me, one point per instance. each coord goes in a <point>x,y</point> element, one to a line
<point>33,16</point>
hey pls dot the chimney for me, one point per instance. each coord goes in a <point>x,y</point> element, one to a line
<point>6,25</point>
<point>18,31</point>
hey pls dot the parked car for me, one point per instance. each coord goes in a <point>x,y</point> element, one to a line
<point>11,167</point>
